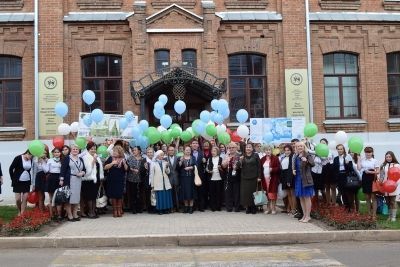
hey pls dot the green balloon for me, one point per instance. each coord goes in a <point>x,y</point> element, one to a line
<point>80,142</point>
<point>211,130</point>
<point>186,136</point>
<point>176,132</point>
<point>322,150</point>
<point>356,144</point>
<point>224,138</point>
<point>102,151</point>
<point>166,137</point>
<point>174,125</point>
<point>310,130</point>
<point>360,195</point>
<point>36,148</point>
<point>154,135</point>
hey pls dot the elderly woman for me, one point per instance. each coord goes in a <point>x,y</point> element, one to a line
<point>159,182</point>
<point>304,187</point>
<point>186,165</point>
<point>270,168</point>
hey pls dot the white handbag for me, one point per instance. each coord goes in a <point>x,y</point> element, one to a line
<point>101,200</point>
<point>197,179</point>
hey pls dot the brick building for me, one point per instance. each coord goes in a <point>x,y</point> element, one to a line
<point>129,52</point>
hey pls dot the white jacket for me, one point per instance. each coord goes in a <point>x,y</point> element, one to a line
<point>91,170</point>
<point>159,178</point>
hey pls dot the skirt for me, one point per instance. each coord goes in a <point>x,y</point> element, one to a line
<point>302,191</point>
<point>327,176</point>
<point>22,187</point>
<point>164,200</point>
<point>247,188</point>
<point>366,183</point>
<point>53,182</point>
<point>187,187</point>
<point>75,185</point>
<point>89,190</point>
<point>318,181</point>
<point>40,182</point>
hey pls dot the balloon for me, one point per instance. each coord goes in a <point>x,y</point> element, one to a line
<point>242,115</point>
<point>123,123</point>
<point>36,148</point>
<point>163,99</point>
<point>268,137</point>
<point>58,142</point>
<point>166,121</point>
<point>322,150</point>
<point>143,142</point>
<point>356,144</point>
<point>211,130</point>
<point>225,113</point>
<point>389,186</point>
<point>186,136</point>
<point>341,137</point>
<point>166,137</point>
<point>360,195</point>
<point>97,115</point>
<point>74,127</point>
<point>88,97</point>
<point>129,116</point>
<point>33,197</point>
<point>132,143</point>
<point>102,151</point>
<point>158,113</point>
<point>61,109</point>
<point>222,104</point>
<point>212,115</point>
<point>214,104</point>
<point>218,118</point>
<point>243,131</point>
<point>64,129</point>
<point>394,174</point>
<point>205,116</point>
<point>161,129</point>
<point>235,137</point>
<point>310,130</point>
<point>87,120</point>
<point>154,135</point>
<point>224,138</point>
<point>174,125</point>
<point>221,128</point>
<point>158,105</point>
<point>180,107</point>
<point>175,132</point>
<point>199,127</point>
<point>332,145</point>
<point>190,130</point>
<point>80,142</point>
<point>136,132</point>
<point>143,125</point>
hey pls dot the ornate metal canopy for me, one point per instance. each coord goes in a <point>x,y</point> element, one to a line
<point>181,78</point>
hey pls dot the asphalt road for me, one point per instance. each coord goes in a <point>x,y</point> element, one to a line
<point>361,254</point>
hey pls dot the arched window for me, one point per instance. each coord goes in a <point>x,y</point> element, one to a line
<point>10,91</point>
<point>247,84</point>
<point>393,73</point>
<point>161,58</point>
<point>341,86</point>
<point>103,75</point>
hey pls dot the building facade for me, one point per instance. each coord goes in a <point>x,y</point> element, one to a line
<point>129,52</point>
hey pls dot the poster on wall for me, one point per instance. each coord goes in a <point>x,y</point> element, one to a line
<point>281,130</point>
<point>297,99</point>
<point>50,93</point>
<point>107,128</point>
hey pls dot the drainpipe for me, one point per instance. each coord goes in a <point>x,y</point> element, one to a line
<point>36,65</point>
<point>309,63</point>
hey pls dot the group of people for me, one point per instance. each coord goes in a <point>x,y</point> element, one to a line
<point>199,175</point>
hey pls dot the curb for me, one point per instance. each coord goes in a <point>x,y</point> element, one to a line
<point>226,239</point>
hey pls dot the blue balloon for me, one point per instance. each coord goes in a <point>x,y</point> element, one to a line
<point>61,109</point>
<point>214,104</point>
<point>180,107</point>
<point>268,137</point>
<point>136,132</point>
<point>97,115</point>
<point>212,115</point>
<point>219,119</point>
<point>143,125</point>
<point>222,104</point>
<point>129,116</point>
<point>166,121</point>
<point>205,116</point>
<point>143,142</point>
<point>132,143</point>
<point>123,123</point>
<point>200,127</point>
<point>225,113</point>
<point>242,115</point>
<point>87,120</point>
<point>88,97</point>
<point>158,105</point>
<point>163,99</point>
<point>158,113</point>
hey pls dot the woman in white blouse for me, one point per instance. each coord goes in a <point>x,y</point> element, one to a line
<point>53,168</point>
<point>390,162</point>
<point>213,169</point>
<point>369,168</point>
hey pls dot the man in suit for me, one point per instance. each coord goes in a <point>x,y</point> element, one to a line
<point>172,160</point>
<point>202,197</point>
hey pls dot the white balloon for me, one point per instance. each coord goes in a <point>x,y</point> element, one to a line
<point>74,127</point>
<point>206,136</point>
<point>190,130</point>
<point>243,131</point>
<point>332,145</point>
<point>221,128</point>
<point>341,137</point>
<point>64,129</point>
<point>161,129</point>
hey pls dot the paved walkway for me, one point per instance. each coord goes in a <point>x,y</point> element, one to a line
<point>183,224</point>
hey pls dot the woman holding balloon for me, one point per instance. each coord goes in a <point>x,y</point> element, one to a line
<point>388,171</point>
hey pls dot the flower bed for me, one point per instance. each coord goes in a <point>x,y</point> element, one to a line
<point>30,221</point>
<point>339,218</point>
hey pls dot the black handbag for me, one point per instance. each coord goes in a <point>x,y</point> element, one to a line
<point>62,195</point>
<point>352,181</point>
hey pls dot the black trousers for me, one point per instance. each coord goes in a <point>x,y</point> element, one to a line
<point>175,196</point>
<point>135,191</point>
<point>202,194</point>
<point>232,194</point>
<point>215,194</point>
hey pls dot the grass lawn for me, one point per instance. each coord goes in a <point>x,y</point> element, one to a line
<point>7,213</point>
<point>382,219</point>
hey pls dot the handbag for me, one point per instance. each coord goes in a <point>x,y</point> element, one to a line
<point>260,198</point>
<point>153,200</point>
<point>376,187</point>
<point>197,179</point>
<point>352,181</point>
<point>101,200</point>
<point>62,195</point>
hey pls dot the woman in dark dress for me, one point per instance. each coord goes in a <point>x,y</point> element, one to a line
<point>117,168</point>
<point>135,179</point>
<point>186,177</point>
<point>250,173</point>
<point>287,178</point>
